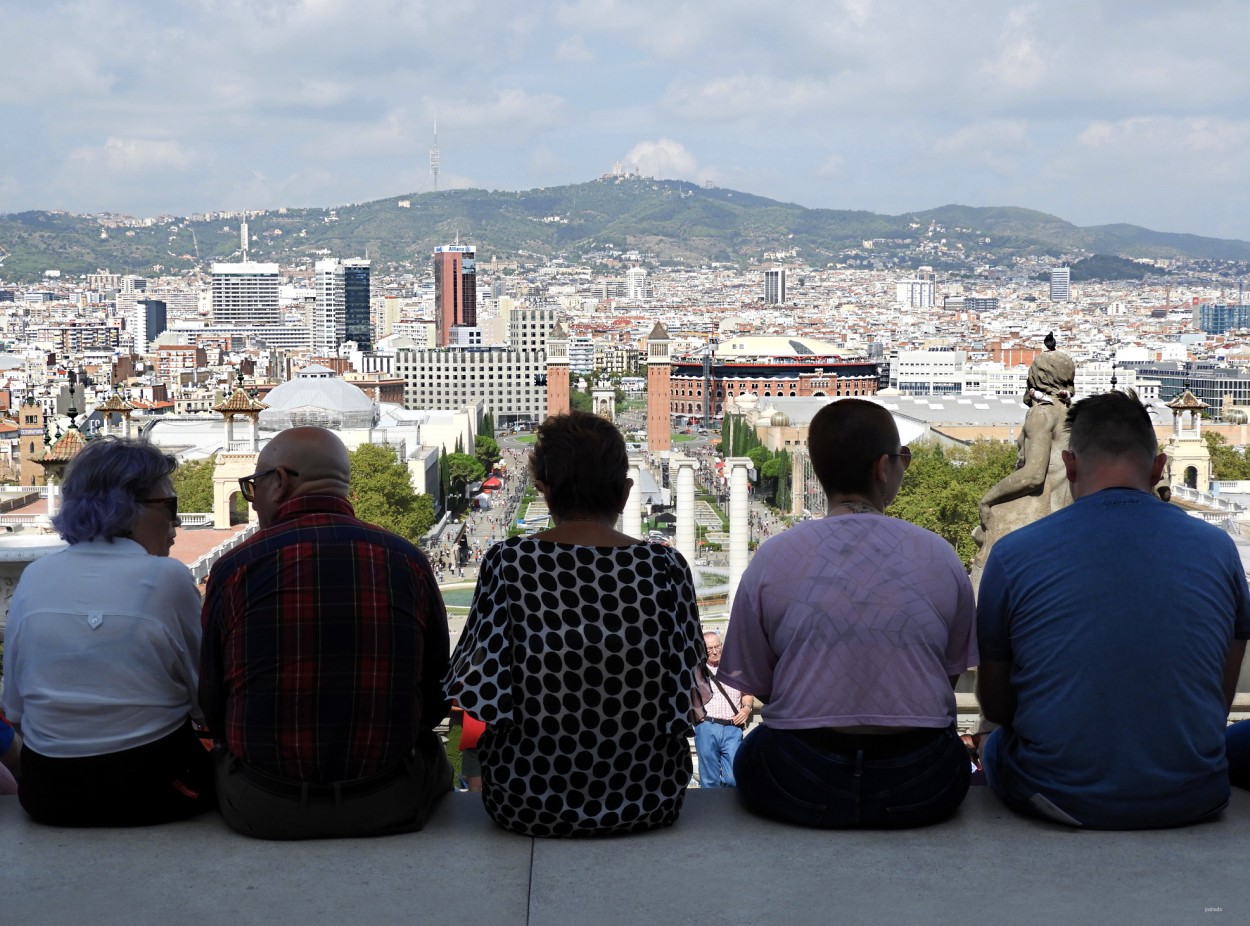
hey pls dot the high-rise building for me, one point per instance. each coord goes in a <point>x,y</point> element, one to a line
<point>328,312</point>
<point>1217,318</point>
<point>1060,284</point>
<point>455,289</point>
<point>245,294</point>
<point>356,303</point>
<point>636,284</point>
<point>151,317</point>
<point>775,286</point>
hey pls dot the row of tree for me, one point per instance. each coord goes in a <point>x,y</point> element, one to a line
<point>773,468</point>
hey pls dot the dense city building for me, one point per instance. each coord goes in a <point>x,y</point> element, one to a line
<point>455,290</point>
<point>245,294</point>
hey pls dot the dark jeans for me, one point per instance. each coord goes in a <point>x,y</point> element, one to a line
<point>397,800</point>
<point>169,779</point>
<point>826,779</point>
<point>1237,747</point>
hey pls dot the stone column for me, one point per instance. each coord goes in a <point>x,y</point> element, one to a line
<point>681,477</point>
<point>739,521</point>
<point>631,517</point>
<point>53,485</point>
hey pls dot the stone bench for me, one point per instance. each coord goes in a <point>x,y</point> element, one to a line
<point>718,865</point>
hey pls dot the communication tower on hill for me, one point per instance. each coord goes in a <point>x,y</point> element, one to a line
<point>434,156</point>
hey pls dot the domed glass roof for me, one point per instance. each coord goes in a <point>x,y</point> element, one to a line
<point>316,396</point>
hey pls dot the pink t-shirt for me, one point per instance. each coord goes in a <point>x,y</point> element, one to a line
<point>852,620</point>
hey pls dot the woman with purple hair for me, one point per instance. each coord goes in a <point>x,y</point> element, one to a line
<point>101,650</point>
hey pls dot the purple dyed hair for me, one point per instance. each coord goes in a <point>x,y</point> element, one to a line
<point>104,485</point>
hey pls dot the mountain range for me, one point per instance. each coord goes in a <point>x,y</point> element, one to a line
<point>666,222</point>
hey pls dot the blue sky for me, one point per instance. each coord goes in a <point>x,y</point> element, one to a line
<point>1097,111</point>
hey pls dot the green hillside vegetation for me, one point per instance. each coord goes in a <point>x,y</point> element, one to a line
<point>669,222</point>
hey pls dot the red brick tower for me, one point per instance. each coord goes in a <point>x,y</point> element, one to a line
<point>659,390</point>
<point>557,371</point>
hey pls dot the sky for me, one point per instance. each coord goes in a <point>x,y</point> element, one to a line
<point>1097,111</point>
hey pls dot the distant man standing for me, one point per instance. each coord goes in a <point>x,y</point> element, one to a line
<point>1111,636</point>
<point>325,643</point>
<point>717,738</point>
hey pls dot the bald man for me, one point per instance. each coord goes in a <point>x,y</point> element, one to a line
<point>325,641</point>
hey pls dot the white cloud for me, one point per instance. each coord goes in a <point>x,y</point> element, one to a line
<point>664,159</point>
<point>133,156</point>
<point>995,145</point>
<point>573,51</point>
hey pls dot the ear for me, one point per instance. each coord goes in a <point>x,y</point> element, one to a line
<point>1157,468</point>
<point>879,467</point>
<point>1069,465</point>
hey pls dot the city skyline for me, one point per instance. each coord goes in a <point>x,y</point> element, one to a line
<point>1098,112</point>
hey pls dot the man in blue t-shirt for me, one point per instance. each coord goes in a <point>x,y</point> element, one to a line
<point>1111,635</point>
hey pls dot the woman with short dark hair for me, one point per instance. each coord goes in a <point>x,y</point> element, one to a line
<point>583,654</point>
<point>853,628</point>
<point>101,650</point>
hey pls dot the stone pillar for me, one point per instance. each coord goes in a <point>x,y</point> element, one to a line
<point>229,433</point>
<point>631,517</point>
<point>681,478</point>
<point>255,434</point>
<point>53,486</point>
<point>739,521</point>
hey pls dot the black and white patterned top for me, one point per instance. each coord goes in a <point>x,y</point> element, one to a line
<point>587,664</point>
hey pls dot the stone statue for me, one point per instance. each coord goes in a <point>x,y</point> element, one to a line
<point>1039,484</point>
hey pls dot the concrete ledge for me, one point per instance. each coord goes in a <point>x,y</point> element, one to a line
<point>718,864</point>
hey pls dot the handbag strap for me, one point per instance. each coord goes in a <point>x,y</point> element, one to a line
<point>721,688</point>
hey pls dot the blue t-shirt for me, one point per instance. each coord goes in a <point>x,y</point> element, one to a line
<point>1116,615</point>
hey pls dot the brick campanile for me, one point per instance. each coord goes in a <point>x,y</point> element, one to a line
<point>557,371</point>
<point>659,390</point>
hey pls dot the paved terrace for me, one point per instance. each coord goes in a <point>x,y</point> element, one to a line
<point>718,865</point>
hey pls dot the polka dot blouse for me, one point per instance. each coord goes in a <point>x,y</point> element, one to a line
<point>586,663</point>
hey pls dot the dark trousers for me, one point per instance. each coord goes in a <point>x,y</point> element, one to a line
<point>169,779</point>
<point>825,779</point>
<point>397,800</point>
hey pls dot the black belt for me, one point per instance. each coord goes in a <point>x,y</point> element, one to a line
<point>290,787</point>
<point>723,723</point>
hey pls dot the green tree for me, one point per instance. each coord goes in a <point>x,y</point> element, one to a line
<point>1226,461</point>
<point>193,484</point>
<point>486,449</point>
<point>461,469</point>
<point>580,401</point>
<point>382,493</point>
<point>488,424</point>
<point>943,488</point>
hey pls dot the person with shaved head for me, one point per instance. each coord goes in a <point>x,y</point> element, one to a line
<point>325,642</point>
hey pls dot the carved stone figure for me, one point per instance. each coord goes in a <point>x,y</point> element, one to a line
<point>1039,485</point>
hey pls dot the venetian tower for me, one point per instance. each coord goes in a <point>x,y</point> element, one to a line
<point>659,390</point>
<point>557,371</point>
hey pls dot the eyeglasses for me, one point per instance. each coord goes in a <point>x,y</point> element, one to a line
<point>904,454</point>
<point>247,484</point>
<point>169,501</point>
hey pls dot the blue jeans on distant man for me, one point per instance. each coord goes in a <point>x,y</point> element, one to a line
<point>716,745</point>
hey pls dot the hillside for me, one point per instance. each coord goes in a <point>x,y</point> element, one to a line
<point>667,221</point>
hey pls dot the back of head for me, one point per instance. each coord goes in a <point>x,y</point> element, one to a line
<point>843,441</point>
<point>581,459</point>
<point>1053,373</point>
<point>1111,426</point>
<point>104,486</point>
<point>316,454</point>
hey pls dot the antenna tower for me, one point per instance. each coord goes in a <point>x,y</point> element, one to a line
<point>434,156</point>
